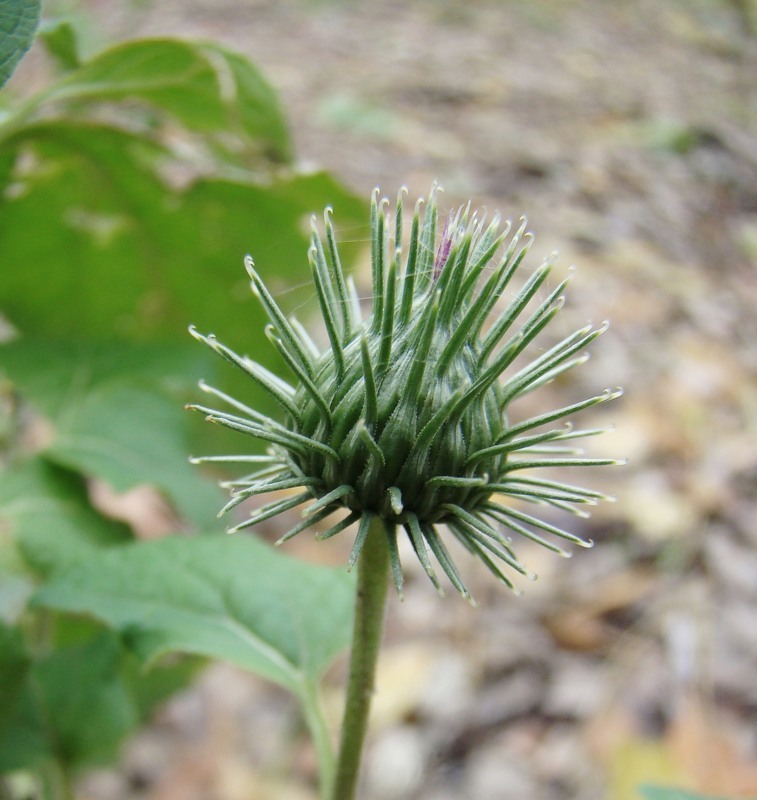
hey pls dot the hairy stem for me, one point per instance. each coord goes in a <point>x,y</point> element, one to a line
<point>372,585</point>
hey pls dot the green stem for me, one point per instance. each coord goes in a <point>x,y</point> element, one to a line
<point>370,598</point>
<point>319,730</point>
<point>57,783</point>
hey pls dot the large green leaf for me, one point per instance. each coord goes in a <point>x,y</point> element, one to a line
<point>76,701</point>
<point>18,22</point>
<point>73,706</point>
<point>56,375</point>
<point>116,413</point>
<point>203,86</point>
<point>129,436</point>
<point>232,598</point>
<point>122,442</point>
<point>83,238</point>
<point>84,682</point>
<point>124,254</point>
<point>47,511</point>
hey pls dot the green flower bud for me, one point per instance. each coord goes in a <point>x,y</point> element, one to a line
<point>404,416</point>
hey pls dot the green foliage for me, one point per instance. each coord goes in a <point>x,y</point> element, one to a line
<point>60,40</point>
<point>204,87</point>
<point>18,23</point>
<point>14,665</point>
<point>48,511</point>
<point>51,707</point>
<point>112,416</point>
<point>232,598</point>
<point>130,189</point>
<point>74,703</point>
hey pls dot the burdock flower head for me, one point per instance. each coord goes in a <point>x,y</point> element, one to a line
<point>404,417</point>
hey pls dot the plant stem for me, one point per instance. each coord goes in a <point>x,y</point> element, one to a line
<point>370,598</point>
<point>57,783</point>
<point>319,730</point>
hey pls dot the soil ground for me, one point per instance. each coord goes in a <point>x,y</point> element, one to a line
<point>627,132</point>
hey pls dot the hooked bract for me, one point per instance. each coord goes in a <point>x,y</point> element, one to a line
<point>404,416</point>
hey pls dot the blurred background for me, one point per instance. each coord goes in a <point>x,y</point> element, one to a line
<point>627,133</point>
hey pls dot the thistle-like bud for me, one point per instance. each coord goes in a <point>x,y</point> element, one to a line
<point>404,416</point>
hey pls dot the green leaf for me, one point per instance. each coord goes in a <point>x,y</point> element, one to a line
<point>149,258</point>
<point>232,598</point>
<point>47,511</point>
<point>128,436</point>
<point>649,792</point>
<point>115,414</point>
<point>271,224</point>
<point>76,702</point>
<point>203,86</point>
<point>55,375</point>
<point>94,196</point>
<point>18,22</point>
<point>14,665</point>
<point>252,104</point>
<point>74,707</point>
<point>83,683</point>
<point>61,41</point>
<point>23,744</point>
<point>150,688</point>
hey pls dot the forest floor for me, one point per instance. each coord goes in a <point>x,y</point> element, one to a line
<point>627,132</point>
